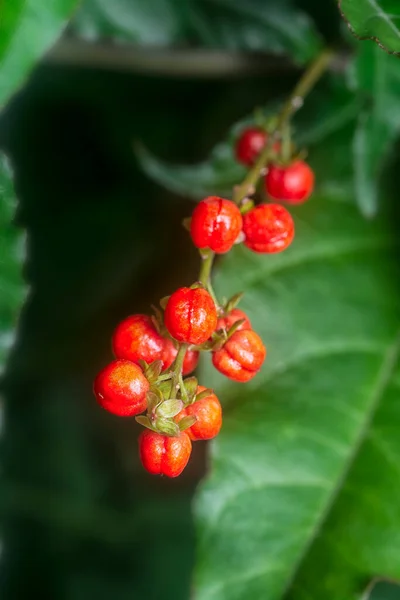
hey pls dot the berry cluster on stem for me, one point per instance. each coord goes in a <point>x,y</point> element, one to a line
<point>155,354</point>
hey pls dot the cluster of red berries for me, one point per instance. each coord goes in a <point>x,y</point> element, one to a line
<point>154,354</point>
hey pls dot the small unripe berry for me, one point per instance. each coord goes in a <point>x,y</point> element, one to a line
<point>235,315</point>
<point>216,224</point>
<point>241,356</point>
<point>268,228</point>
<point>293,184</point>
<point>169,354</point>
<point>190,315</point>
<point>136,338</point>
<point>208,413</point>
<point>163,455</point>
<point>249,145</point>
<point>121,388</point>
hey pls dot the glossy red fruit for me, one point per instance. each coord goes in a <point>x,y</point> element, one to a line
<point>208,413</point>
<point>268,228</point>
<point>190,315</point>
<point>216,224</point>
<point>169,353</point>
<point>163,455</point>
<point>241,357</point>
<point>293,184</point>
<point>136,338</point>
<point>249,145</point>
<point>121,388</point>
<point>235,315</point>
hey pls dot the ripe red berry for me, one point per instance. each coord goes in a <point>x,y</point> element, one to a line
<point>241,356</point>
<point>190,315</point>
<point>169,353</point>
<point>163,455</point>
<point>121,388</point>
<point>249,145</point>
<point>235,315</point>
<point>293,183</point>
<point>268,228</point>
<point>136,339</point>
<point>208,413</point>
<point>216,224</point>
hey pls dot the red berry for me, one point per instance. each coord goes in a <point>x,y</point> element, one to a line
<point>241,356</point>
<point>136,339</point>
<point>163,455</point>
<point>170,352</point>
<point>216,224</point>
<point>292,184</point>
<point>121,388</point>
<point>250,144</point>
<point>208,413</point>
<point>235,315</point>
<point>268,228</point>
<point>190,315</point>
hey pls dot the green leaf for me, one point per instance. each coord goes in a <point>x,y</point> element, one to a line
<point>27,29</point>
<point>377,20</point>
<point>377,75</point>
<point>382,590</point>
<point>252,25</point>
<point>337,109</point>
<point>303,496</point>
<point>169,408</point>
<point>13,289</point>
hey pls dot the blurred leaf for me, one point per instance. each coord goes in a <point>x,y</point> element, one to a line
<point>377,75</point>
<point>382,590</point>
<point>377,20</point>
<point>252,25</point>
<point>27,29</point>
<point>325,113</point>
<point>13,289</point>
<point>303,495</point>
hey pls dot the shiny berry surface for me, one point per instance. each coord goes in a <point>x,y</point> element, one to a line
<point>216,224</point>
<point>163,455</point>
<point>293,184</point>
<point>235,315</point>
<point>190,315</point>
<point>121,388</point>
<point>136,339</point>
<point>169,354</point>
<point>208,413</point>
<point>241,357</point>
<point>249,145</point>
<point>268,228</point>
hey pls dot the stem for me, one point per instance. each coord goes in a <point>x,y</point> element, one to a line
<point>207,261</point>
<point>177,369</point>
<point>294,102</point>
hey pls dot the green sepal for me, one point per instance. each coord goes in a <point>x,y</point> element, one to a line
<point>165,388</point>
<point>234,328</point>
<point>145,421</point>
<point>153,400</point>
<point>187,422</point>
<point>169,408</point>
<point>143,365</point>
<point>233,302</point>
<point>204,394</point>
<point>164,302</point>
<point>186,223</point>
<point>153,370</point>
<point>167,427</point>
<point>191,385</point>
<point>246,206</point>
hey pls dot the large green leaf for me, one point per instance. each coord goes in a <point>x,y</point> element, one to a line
<point>303,497</point>
<point>377,76</point>
<point>378,20</point>
<point>252,25</point>
<point>13,290</point>
<point>27,29</point>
